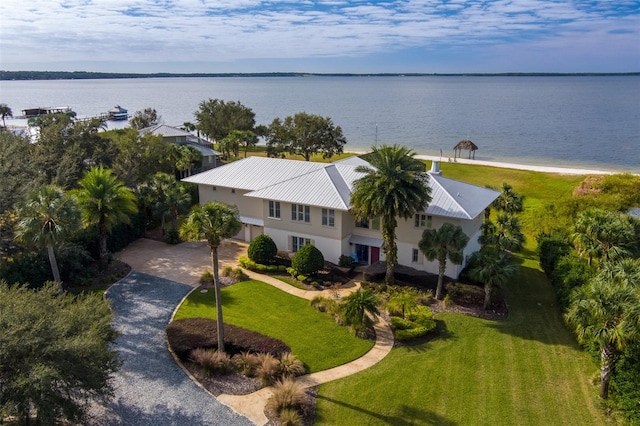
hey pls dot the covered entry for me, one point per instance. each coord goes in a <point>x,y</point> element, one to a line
<point>365,249</point>
<point>251,228</point>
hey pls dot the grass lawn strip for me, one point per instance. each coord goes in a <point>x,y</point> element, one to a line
<point>314,337</point>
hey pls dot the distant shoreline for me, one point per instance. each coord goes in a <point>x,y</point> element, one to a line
<point>87,75</point>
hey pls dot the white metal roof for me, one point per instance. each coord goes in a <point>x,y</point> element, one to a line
<point>453,198</point>
<point>329,185</point>
<point>164,130</point>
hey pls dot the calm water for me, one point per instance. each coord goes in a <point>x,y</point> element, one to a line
<point>572,121</point>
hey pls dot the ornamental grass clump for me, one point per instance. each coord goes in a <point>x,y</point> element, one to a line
<point>212,361</point>
<point>290,365</point>
<point>245,363</point>
<point>287,394</point>
<point>268,368</point>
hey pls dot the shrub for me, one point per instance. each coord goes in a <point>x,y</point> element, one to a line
<point>570,272</point>
<point>172,236</point>
<point>550,250</point>
<point>212,361</point>
<point>262,249</point>
<point>247,263</point>
<point>206,278</point>
<point>226,271</point>
<point>187,334</point>
<point>238,274</point>
<point>418,324</point>
<point>345,261</point>
<point>290,365</point>
<point>268,367</point>
<point>287,393</point>
<point>447,301</point>
<point>308,260</point>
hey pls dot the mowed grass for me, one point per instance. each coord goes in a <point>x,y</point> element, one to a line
<point>313,337</point>
<point>526,370</point>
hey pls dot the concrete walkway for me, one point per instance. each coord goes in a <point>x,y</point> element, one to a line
<point>185,263</point>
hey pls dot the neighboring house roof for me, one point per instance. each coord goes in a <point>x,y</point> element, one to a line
<point>352,161</point>
<point>635,212</point>
<point>164,130</point>
<point>205,151</point>
<point>329,185</point>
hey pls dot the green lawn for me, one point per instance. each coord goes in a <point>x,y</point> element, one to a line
<point>313,337</point>
<point>526,370</point>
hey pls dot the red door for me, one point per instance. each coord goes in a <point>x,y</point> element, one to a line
<point>375,254</point>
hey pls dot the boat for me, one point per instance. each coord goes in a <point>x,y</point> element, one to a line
<point>35,112</point>
<point>117,113</point>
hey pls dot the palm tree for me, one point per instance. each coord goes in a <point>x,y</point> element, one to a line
<point>393,187</point>
<point>504,234</point>
<point>403,301</point>
<point>47,217</point>
<point>446,242</point>
<point>105,202</point>
<point>356,307</point>
<point>606,311</point>
<point>5,111</point>
<point>602,234</point>
<point>167,195</point>
<point>213,221</point>
<point>508,201</point>
<point>493,268</point>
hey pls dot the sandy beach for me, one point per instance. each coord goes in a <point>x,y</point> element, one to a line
<point>532,167</point>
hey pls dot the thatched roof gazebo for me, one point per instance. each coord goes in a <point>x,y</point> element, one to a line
<point>465,144</point>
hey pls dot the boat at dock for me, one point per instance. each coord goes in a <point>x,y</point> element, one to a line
<point>117,113</point>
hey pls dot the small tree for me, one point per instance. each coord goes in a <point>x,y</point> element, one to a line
<point>214,222</point>
<point>356,307</point>
<point>5,111</point>
<point>143,119</point>
<point>446,242</point>
<point>492,268</point>
<point>262,249</point>
<point>307,260</point>
<point>56,353</point>
<point>46,218</point>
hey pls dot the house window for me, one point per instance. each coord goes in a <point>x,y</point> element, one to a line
<point>298,242</point>
<point>274,209</point>
<point>213,188</point>
<point>362,223</point>
<point>233,190</point>
<point>422,221</point>
<point>328,217</point>
<point>300,213</point>
<point>416,257</point>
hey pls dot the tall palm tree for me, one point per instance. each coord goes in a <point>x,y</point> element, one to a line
<point>493,268</point>
<point>214,222</point>
<point>46,218</point>
<point>446,242</point>
<point>356,307</point>
<point>5,111</point>
<point>393,187</point>
<point>606,311</point>
<point>105,202</point>
<point>167,195</point>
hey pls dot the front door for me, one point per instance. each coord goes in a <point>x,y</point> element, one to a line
<point>375,254</point>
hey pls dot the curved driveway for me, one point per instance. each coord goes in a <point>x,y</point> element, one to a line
<point>150,389</point>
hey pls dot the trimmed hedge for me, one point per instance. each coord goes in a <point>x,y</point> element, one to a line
<point>417,324</point>
<point>247,263</point>
<point>187,334</point>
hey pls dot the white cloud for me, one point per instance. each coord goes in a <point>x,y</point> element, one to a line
<point>232,30</point>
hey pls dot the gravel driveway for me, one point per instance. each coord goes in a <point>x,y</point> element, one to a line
<point>150,389</point>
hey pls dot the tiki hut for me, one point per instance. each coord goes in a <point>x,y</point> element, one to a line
<point>465,144</point>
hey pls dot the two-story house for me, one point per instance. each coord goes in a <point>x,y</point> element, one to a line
<point>299,202</point>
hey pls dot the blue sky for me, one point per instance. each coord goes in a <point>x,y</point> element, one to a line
<point>446,36</point>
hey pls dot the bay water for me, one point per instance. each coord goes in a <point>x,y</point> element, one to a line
<point>579,121</point>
